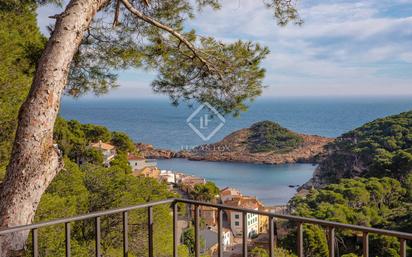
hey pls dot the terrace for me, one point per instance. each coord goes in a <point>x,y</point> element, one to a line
<point>330,227</point>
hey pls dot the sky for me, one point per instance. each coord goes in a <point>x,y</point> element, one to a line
<point>344,48</point>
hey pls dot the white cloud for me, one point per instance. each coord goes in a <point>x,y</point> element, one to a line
<point>344,46</point>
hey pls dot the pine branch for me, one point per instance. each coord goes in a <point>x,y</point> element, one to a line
<point>173,32</point>
<point>116,14</point>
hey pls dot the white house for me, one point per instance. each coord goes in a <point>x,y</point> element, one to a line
<point>138,163</point>
<point>168,176</point>
<point>108,150</point>
<point>236,218</point>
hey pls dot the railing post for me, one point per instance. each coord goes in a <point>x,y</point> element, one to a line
<point>97,231</point>
<point>299,240</point>
<point>150,229</point>
<point>197,223</point>
<point>67,229</point>
<point>271,235</point>
<point>365,244</point>
<point>35,241</point>
<point>125,234</point>
<point>402,252</point>
<point>219,233</point>
<point>175,235</point>
<point>331,242</point>
<point>244,228</point>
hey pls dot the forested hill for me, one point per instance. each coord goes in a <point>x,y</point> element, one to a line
<point>379,148</point>
<point>264,142</point>
<point>364,179</point>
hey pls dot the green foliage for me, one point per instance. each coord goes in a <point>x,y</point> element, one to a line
<point>278,252</point>
<point>259,252</point>
<point>93,188</point>
<point>314,241</point>
<point>377,149</point>
<point>206,192</point>
<point>376,202</point>
<point>188,239</point>
<point>232,77</point>
<point>20,45</point>
<point>74,138</point>
<point>95,133</point>
<point>267,136</point>
<point>122,142</point>
<point>120,160</point>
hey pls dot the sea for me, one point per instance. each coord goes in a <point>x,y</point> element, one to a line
<point>155,121</point>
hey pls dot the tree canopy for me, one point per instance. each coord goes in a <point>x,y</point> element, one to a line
<point>90,187</point>
<point>377,202</point>
<point>20,47</point>
<point>267,136</point>
<point>206,192</point>
<point>377,149</point>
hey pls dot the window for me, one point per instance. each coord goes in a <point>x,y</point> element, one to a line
<point>236,216</point>
<point>236,223</point>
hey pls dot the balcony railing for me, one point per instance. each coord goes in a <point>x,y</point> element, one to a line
<point>331,226</point>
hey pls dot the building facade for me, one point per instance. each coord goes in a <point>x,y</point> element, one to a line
<point>108,151</point>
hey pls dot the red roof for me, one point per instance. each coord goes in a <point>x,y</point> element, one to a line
<point>102,146</point>
<point>133,157</point>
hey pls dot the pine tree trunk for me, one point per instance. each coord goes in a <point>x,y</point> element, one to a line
<point>35,161</point>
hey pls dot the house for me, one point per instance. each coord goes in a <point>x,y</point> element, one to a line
<point>148,172</point>
<point>139,163</point>
<point>108,151</point>
<point>235,218</point>
<point>188,183</point>
<point>228,193</point>
<point>168,176</point>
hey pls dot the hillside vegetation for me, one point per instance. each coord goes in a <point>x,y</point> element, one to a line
<point>377,149</point>
<point>263,142</point>
<point>365,179</point>
<point>378,202</point>
<point>268,136</point>
<point>91,187</point>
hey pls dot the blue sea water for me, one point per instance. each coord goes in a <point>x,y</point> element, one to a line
<point>269,183</point>
<point>156,122</point>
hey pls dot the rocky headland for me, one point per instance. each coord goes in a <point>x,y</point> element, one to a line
<point>264,142</point>
<point>271,144</point>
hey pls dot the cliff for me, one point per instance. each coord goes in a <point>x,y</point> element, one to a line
<point>381,148</point>
<point>264,142</point>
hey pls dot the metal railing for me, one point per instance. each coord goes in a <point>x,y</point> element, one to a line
<point>331,226</point>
